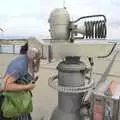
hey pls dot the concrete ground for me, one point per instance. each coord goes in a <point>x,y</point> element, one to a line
<point>45,98</point>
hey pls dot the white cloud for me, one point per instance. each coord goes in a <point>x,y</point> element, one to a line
<point>31,16</point>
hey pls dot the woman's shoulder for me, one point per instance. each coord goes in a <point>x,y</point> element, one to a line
<point>19,60</point>
<point>19,63</point>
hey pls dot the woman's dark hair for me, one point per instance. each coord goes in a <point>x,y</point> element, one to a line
<point>24,48</point>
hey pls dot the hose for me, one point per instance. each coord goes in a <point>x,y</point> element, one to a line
<point>109,52</point>
<point>89,17</point>
<point>95,29</point>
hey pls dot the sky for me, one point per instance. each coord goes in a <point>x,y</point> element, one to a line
<point>30,17</point>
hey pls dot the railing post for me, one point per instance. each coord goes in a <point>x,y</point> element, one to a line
<point>0,49</point>
<point>13,49</point>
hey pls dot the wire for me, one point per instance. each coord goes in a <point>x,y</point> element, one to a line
<point>95,29</point>
<point>109,52</point>
<point>90,17</point>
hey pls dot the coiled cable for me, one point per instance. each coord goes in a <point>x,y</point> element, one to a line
<point>95,29</point>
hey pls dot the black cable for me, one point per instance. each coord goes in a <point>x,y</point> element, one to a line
<point>99,29</point>
<point>109,52</point>
<point>95,29</point>
<point>105,30</point>
<point>89,17</point>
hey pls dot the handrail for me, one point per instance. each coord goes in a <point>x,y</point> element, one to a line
<point>11,43</point>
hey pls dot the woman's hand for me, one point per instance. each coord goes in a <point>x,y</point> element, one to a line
<point>30,86</point>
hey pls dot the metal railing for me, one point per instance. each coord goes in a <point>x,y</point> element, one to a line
<point>11,46</point>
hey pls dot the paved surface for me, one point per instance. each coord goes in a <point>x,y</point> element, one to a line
<point>45,98</point>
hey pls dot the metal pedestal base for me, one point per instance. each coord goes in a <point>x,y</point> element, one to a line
<point>60,115</point>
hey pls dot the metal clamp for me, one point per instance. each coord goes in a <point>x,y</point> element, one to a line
<point>54,84</point>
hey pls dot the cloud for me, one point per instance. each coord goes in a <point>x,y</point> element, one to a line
<point>31,16</point>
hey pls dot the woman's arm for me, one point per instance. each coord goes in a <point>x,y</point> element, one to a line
<point>10,84</point>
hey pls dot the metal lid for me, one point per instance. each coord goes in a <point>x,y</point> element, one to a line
<point>64,67</point>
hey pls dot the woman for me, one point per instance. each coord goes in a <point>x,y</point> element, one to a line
<point>18,68</point>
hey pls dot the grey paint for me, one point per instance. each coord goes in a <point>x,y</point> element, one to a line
<point>70,75</point>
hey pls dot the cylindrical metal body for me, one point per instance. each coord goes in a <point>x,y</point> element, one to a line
<point>69,75</point>
<point>59,22</point>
